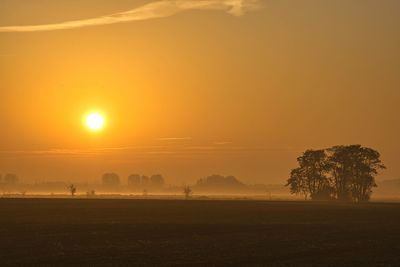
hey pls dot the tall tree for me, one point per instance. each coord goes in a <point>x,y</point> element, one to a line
<point>310,178</point>
<point>298,183</point>
<point>72,189</point>
<point>371,165</point>
<point>354,169</point>
<point>340,162</point>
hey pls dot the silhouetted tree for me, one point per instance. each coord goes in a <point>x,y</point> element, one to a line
<point>145,193</point>
<point>72,189</point>
<point>91,193</point>
<point>346,173</point>
<point>187,191</point>
<point>311,177</point>
<point>354,169</point>
<point>298,183</point>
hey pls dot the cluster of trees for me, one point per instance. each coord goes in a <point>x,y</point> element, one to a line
<point>110,180</point>
<point>219,183</point>
<point>155,181</point>
<point>9,179</point>
<point>136,181</point>
<point>345,173</point>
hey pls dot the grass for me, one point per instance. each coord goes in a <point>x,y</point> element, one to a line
<point>109,232</point>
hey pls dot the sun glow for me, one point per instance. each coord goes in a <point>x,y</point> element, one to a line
<point>95,121</point>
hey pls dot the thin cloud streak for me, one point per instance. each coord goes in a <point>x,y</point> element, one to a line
<point>149,150</point>
<point>158,9</point>
<point>174,138</point>
<point>222,143</point>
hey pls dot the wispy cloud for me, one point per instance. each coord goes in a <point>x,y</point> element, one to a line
<point>157,9</point>
<point>61,152</point>
<point>222,143</point>
<point>138,151</point>
<point>174,139</point>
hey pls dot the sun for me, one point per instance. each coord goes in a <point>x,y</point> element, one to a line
<point>95,121</point>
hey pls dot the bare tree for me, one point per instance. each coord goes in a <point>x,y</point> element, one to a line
<point>187,191</point>
<point>72,189</point>
<point>91,193</point>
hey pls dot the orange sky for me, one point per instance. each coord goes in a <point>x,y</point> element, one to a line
<point>196,91</point>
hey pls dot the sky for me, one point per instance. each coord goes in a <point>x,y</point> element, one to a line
<point>193,88</point>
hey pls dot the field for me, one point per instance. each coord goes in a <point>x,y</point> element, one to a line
<point>105,232</point>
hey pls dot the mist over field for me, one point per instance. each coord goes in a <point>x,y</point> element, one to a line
<point>199,133</point>
<point>198,93</point>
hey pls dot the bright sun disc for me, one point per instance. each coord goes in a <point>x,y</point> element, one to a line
<point>95,121</point>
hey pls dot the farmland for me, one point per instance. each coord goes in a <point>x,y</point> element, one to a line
<point>106,232</point>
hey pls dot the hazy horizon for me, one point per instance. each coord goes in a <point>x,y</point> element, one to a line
<point>191,90</point>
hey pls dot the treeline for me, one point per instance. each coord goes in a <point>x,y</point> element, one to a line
<point>8,179</point>
<point>136,181</point>
<point>220,183</point>
<point>345,173</point>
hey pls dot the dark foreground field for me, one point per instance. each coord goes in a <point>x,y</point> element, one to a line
<point>197,233</point>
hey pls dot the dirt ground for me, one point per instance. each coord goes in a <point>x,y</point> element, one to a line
<point>117,232</point>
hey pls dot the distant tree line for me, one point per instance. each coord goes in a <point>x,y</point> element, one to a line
<point>135,181</point>
<point>220,183</point>
<point>9,179</point>
<point>345,173</point>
